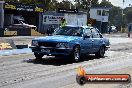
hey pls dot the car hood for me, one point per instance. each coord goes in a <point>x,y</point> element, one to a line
<point>58,38</point>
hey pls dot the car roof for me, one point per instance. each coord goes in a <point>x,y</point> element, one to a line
<point>79,26</point>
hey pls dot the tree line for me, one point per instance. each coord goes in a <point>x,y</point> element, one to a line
<point>54,4</point>
<point>116,17</point>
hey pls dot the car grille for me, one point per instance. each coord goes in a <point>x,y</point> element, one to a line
<point>47,44</point>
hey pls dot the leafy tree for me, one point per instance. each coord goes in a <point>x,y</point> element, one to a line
<point>10,0</point>
<point>26,1</point>
<point>53,5</point>
<point>105,3</point>
<point>85,4</point>
<point>115,16</point>
<point>94,2</point>
<point>128,14</point>
<point>65,4</point>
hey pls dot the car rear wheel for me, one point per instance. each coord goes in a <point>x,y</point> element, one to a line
<point>101,52</point>
<point>76,54</point>
<point>38,56</point>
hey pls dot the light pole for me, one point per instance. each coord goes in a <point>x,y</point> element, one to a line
<point>70,3</point>
<point>122,23</point>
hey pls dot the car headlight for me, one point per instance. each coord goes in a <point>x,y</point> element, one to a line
<point>34,43</point>
<point>62,45</point>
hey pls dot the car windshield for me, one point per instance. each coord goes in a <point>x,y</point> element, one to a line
<point>69,31</point>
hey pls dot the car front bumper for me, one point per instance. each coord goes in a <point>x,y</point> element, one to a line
<point>51,50</point>
<point>107,47</point>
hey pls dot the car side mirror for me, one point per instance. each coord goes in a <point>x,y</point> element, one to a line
<point>101,36</point>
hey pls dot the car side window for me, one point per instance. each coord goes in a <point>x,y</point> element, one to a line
<point>95,33</point>
<point>88,32</point>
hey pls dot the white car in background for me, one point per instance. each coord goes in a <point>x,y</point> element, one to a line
<point>113,29</point>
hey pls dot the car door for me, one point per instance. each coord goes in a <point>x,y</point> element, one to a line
<point>87,41</point>
<point>96,39</point>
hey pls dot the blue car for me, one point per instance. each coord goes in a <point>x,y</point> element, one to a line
<point>72,41</point>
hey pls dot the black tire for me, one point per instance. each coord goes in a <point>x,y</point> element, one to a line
<point>81,80</point>
<point>76,56</point>
<point>101,52</point>
<point>38,56</point>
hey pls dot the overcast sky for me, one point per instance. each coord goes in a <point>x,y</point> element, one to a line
<point>116,2</point>
<point>120,2</point>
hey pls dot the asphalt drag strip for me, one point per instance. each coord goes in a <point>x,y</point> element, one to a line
<point>22,71</point>
<point>27,73</point>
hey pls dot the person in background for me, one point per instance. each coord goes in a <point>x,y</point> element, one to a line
<point>110,29</point>
<point>129,30</point>
<point>63,22</point>
<point>50,30</point>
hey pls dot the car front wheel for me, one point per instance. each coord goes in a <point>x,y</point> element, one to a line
<point>38,56</point>
<point>81,80</point>
<point>101,52</point>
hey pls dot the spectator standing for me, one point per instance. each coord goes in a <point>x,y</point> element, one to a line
<point>129,30</point>
<point>50,30</point>
<point>63,22</point>
<point>110,29</point>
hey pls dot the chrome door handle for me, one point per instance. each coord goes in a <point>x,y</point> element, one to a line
<point>92,40</point>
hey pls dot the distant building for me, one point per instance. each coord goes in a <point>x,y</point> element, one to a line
<point>101,15</point>
<point>18,17</point>
<point>30,12</point>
